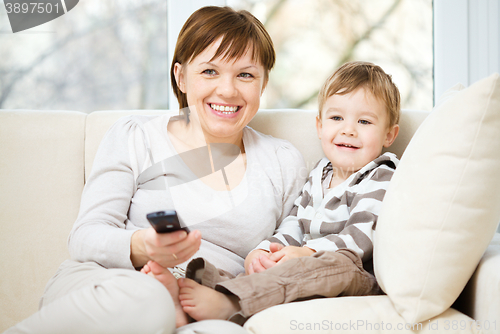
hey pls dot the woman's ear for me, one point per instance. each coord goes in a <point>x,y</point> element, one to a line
<point>264,85</point>
<point>391,135</point>
<point>179,77</point>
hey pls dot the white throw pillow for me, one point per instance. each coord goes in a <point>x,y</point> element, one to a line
<point>443,205</point>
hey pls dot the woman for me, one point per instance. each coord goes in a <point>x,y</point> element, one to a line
<point>219,72</point>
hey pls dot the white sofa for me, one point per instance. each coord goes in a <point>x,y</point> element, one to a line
<point>45,157</point>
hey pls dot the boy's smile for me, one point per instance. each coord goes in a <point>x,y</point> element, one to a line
<point>354,127</point>
<point>346,146</point>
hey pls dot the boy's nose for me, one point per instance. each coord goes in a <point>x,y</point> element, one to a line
<point>349,130</point>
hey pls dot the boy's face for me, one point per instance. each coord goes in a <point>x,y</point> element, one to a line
<point>353,130</point>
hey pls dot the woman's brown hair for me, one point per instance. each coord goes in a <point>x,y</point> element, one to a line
<point>240,31</point>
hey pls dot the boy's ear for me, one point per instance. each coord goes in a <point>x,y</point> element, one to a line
<point>179,77</point>
<point>319,126</point>
<point>391,135</point>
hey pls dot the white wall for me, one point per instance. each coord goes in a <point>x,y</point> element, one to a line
<point>466,42</point>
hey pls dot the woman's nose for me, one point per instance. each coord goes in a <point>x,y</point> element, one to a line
<point>226,87</point>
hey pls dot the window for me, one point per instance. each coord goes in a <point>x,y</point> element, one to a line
<point>313,38</point>
<point>113,54</point>
<point>100,55</point>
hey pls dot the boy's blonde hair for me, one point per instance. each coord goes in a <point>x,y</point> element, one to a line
<point>355,74</point>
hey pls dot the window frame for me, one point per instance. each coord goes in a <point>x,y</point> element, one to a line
<point>466,42</point>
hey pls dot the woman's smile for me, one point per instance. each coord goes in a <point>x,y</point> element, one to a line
<point>224,110</point>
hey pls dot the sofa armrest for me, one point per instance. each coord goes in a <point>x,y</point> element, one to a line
<point>481,297</point>
<point>41,183</point>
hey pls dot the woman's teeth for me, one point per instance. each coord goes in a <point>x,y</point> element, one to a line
<point>224,109</point>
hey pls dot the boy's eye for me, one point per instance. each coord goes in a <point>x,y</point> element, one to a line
<point>336,118</point>
<point>209,72</point>
<point>246,75</point>
<point>364,121</point>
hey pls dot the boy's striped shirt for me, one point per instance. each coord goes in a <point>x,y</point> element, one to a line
<point>342,217</point>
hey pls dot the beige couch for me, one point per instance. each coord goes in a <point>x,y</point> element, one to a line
<point>45,157</point>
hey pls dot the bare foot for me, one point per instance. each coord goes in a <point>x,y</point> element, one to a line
<point>202,303</point>
<point>170,282</point>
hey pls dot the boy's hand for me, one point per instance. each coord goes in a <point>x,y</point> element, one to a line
<point>258,260</point>
<point>290,252</point>
<point>255,254</point>
<point>261,264</point>
<point>279,254</point>
<point>274,247</point>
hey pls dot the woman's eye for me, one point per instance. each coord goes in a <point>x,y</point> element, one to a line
<point>246,75</point>
<point>210,72</point>
<point>365,122</point>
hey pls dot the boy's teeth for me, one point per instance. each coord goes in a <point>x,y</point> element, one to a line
<point>224,109</point>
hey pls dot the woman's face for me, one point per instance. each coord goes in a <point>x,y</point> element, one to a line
<point>223,94</point>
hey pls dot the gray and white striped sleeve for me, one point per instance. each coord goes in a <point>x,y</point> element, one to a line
<point>289,232</point>
<point>365,204</point>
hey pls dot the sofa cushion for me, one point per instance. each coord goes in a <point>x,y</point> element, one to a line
<point>409,122</point>
<point>442,207</point>
<point>295,125</point>
<point>369,314</point>
<point>298,126</point>
<point>98,123</point>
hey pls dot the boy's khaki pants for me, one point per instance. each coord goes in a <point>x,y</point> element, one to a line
<point>324,274</point>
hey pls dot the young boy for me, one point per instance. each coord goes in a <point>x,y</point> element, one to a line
<point>324,248</point>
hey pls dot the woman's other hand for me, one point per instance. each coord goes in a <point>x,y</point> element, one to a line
<point>168,249</point>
